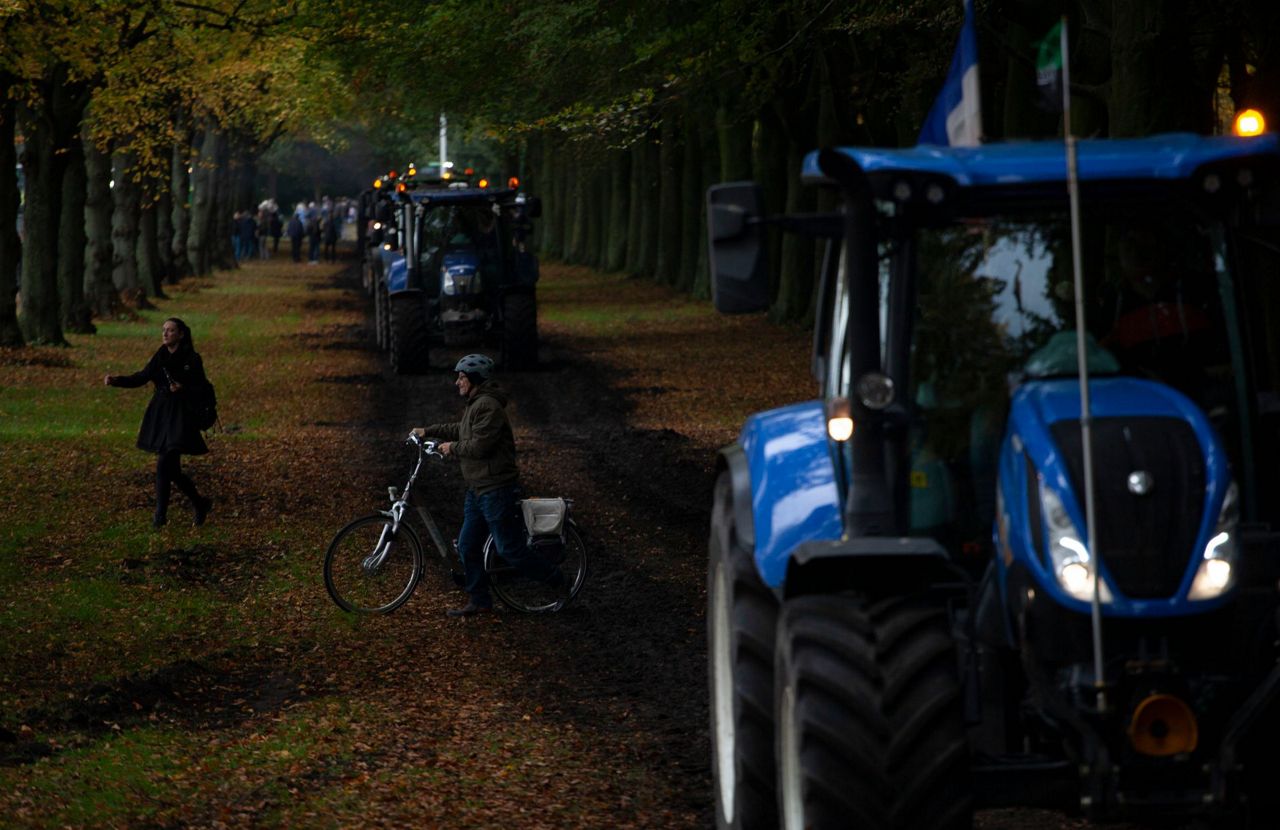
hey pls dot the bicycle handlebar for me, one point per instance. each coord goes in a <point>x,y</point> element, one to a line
<point>424,446</point>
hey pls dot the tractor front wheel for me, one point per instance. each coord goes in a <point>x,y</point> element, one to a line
<point>740,619</point>
<point>870,725</point>
<point>410,342</point>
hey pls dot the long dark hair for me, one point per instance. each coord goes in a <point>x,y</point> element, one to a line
<point>187,342</point>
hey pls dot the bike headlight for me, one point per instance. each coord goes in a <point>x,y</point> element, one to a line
<point>1216,573</point>
<point>1068,556</point>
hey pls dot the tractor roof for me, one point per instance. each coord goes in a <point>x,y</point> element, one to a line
<point>1168,157</point>
<point>464,195</point>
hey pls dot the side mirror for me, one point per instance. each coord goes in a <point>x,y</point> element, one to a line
<point>533,207</point>
<point>735,238</point>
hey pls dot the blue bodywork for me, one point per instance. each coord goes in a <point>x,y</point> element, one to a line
<point>1169,156</point>
<point>1037,405</point>
<point>396,268</point>
<point>793,488</point>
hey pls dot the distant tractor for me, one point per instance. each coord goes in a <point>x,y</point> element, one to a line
<point>908,615</point>
<point>454,268</point>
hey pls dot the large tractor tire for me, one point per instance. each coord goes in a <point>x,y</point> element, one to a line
<point>520,330</point>
<point>870,724</point>
<point>381,318</point>
<point>410,343</point>
<point>741,613</point>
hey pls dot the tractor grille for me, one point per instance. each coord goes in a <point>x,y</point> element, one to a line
<point>1147,540</point>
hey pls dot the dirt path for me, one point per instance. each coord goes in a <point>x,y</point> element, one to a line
<point>615,685</point>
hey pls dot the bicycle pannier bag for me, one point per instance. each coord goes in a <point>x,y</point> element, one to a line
<point>544,517</point>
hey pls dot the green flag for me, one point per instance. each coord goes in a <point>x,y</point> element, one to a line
<point>1049,69</point>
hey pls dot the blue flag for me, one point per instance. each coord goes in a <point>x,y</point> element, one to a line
<point>956,116</point>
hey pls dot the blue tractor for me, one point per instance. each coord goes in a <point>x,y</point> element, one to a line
<point>454,267</point>
<point>909,617</point>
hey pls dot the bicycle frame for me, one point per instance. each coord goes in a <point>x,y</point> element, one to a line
<point>400,501</point>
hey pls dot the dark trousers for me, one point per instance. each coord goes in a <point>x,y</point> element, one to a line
<point>169,471</point>
<point>496,512</point>
<point>296,242</point>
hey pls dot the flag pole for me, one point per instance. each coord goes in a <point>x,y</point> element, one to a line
<point>1082,363</point>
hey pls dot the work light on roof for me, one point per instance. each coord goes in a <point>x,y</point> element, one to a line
<point>513,182</point>
<point>1250,122</point>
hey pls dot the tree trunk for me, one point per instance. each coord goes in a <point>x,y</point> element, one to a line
<point>164,234</point>
<point>180,206</point>
<point>124,227</point>
<point>41,315</point>
<point>76,311</point>
<point>667,263</point>
<point>596,218</point>
<point>224,255</point>
<point>150,271</point>
<point>575,214</point>
<point>615,257</point>
<point>200,235</point>
<point>1162,78</point>
<point>691,204</point>
<point>772,173</point>
<point>10,243</point>
<point>733,135</point>
<point>554,202</point>
<point>710,174</point>
<point>648,209</point>
<point>99,251</point>
<point>635,209</point>
<point>798,112</point>
<point>246,182</point>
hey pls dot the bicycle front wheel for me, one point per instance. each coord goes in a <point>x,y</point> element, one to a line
<point>368,569</point>
<point>547,583</point>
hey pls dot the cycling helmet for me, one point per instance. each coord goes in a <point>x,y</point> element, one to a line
<point>475,364</point>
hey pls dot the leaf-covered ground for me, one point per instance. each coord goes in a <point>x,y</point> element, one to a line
<point>202,677</point>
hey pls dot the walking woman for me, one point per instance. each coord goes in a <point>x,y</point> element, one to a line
<point>168,427</point>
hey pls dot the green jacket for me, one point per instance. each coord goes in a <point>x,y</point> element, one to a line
<point>483,441</point>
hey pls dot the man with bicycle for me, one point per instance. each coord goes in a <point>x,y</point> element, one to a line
<point>485,447</point>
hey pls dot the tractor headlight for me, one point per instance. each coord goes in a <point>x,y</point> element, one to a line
<point>1072,565</point>
<point>1216,573</point>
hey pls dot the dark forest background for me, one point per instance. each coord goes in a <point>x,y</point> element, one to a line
<point>139,128</point>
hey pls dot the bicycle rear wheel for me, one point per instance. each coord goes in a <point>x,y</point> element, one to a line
<point>369,570</point>
<point>525,588</point>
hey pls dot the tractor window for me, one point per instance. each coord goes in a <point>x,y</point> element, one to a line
<point>432,240</point>
<point>996,305</point>
<point>838,374</point>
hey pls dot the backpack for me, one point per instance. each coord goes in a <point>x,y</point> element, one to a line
<point>204,406</point>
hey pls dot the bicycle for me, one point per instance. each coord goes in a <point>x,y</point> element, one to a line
<point>373,564</point>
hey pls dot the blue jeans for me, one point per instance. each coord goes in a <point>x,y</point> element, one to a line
<point>496,512</point>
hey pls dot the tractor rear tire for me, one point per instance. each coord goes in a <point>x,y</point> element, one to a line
<point>410,341</point>
<point>870,723</point>
<point>741,613</point>
<point>520,330</point>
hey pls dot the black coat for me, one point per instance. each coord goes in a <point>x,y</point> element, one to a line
<point>168,424</point>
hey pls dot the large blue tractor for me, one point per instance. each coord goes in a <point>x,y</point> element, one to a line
<point>453,266</point>
<point>909,616</point>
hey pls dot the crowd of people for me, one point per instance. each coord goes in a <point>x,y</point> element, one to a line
<point>256,232</point>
